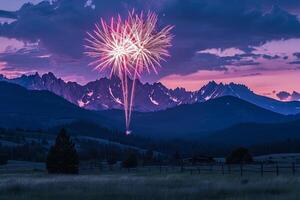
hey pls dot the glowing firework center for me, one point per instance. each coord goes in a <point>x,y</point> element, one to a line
<point>127,48</point>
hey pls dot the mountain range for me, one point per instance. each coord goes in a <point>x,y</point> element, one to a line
<point>226,120</point>
<point>22,108</point>
<point>105,94</point>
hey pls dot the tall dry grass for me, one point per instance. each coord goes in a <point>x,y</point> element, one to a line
<point>137,187</point>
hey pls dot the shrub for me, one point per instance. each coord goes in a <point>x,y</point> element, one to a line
<point>148,158</point>
<point>112,157</point>
<point>239,156</point>
<point>3,159</point>
<point>176,158</point>
<point>130,161</point>
<point>62,157</point>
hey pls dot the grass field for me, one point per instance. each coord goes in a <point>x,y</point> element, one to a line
<point>152,186</point>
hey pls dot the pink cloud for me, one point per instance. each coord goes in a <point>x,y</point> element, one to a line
<point>10,45</point>
<point>223,52</point>
<point>279,47</point>
<point>12,73</point>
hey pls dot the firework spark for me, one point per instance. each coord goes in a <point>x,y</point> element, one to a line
<point>110,46</point>
<point>150,45</point>
<point>128,48</point>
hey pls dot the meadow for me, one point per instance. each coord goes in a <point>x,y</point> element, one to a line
<point>131,186</point>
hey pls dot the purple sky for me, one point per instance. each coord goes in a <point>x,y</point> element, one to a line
<point>255,42</point>
<point>13,5</point>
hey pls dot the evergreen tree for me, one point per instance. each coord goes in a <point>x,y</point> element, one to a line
<point>62,157</point>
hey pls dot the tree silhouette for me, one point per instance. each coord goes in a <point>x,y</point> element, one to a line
<point>130,160</point>
<point>62,157</point>
<point>239,156</point>
<point>111,157</point>
<point>3,159</point>
<point>148,157</point>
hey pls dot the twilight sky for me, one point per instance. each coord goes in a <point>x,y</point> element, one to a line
<point>254,42</point>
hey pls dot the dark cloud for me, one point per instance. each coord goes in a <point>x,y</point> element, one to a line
<point>295,96</point>
<point>206,61</point>
<point>25,59</point>
<point>283,95</point>
<point>252,74</point>
<point>30,59</point>
<point>225,24</point>
<point>295,63</point>
<point>297,54</point>
<point>60,27</point>
<point>270,57</point>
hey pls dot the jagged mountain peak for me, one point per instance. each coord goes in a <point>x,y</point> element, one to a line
<point>106,93</point>
<point>49,75</point>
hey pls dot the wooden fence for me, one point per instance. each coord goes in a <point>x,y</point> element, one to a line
<point>216,168</point>
<point>258,168</point>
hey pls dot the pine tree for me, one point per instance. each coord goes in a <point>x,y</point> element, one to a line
<point>62,157</point>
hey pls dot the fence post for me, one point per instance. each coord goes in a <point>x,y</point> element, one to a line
<point>241,167</point>
<point>160,168</point>
<point>277,170</point>
<point>191,171</point>
<point>262,169</point>
<point>181,168</point>
<point>199,169</point>
<point>223,169</point>
<point>229,168</point>
<point>294,168</point>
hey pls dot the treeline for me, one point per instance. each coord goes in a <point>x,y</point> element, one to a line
<point>63,157</point>
<point>33,152</point>
<point>33,145</point>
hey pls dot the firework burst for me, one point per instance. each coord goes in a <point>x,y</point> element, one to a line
<point>127,48</point>
<point>150,46</point>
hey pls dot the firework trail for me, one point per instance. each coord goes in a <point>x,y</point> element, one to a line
<point>111,47</point>
<point>127,48</point>
<point>150,46</point>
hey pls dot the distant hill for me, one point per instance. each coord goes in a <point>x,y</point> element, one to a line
<point>96,131</point>
<point>24,108</point>
<point>247,134</point>
<point>198,119</point>
<point>105,94</point>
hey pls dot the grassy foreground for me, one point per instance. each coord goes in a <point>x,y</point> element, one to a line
<point>155,186</point>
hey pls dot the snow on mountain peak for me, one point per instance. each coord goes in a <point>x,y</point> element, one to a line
<point>106,93</point>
